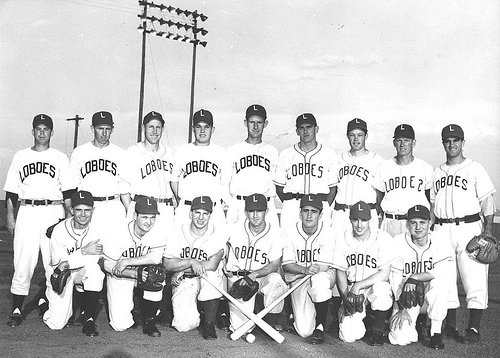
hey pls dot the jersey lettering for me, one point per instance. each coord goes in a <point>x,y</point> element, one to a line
<point>249,252</point>
<point>201,166</point>
<point>155,165</point>
<point>37,168</point>
<point>194,253</point>
<point>361,260</point>
<point>403,183</point>
<point>253,160</point>
<point>417,267</point>
<point>96,165</point>
<point>360,172</point>
<point>70,250</point>
<point>305,169</point>
<point>136,252</point>
<point>451,180</point>
<point>308,255</point>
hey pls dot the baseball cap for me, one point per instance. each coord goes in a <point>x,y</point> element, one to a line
<point>311,200</point>
<point>360,210</point>
<point>256,202</point>
<point>418,212</point>
<point>152,115</point>
<point>256,110</point>
<point>82,197</point>
<point>202,202</point>
<point>145,205</point>
<point>102,117</point>
<point>404,131</point>
<point>203,116</point>
<point>452,130</point>
<point>305,118</point>
<point>357,123</point>
<point>43,119</point>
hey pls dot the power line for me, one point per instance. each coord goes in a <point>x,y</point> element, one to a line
<point>101,6</point>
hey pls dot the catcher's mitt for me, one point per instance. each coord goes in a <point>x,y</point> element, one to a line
<point>353,303</point>
<point>483,248</point>
<point>155,276</point>
<point>409,299</point>
<point>244,288</point>
<point>58,279</point>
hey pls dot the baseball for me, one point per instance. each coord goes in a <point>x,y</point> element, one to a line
<point>250,338</point>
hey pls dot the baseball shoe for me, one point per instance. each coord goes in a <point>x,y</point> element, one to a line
<point>15,319</point>
<point>318,337</point>
<point>150,329</point>
<point>209,331</point>
<point>42,308</point>
<point>222,322</point>
<point>77,319</point>
<point>471,336</point>
<point>451,332</point>
<point>437,341</point>
<point>90,329</point>
<point>376,340</point>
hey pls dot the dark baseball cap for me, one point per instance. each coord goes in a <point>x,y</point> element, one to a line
<point>360,210</point>
<point>148,206</point>
<point>202,202</point>
<point>311,200</point>
<point>357,123</point>
<point>152,115</point>
<point>256,202</point>
<point>102,117</point>
<point>43,119</point>
<point>305,118</point>
<point>82,197</point>
<point>256,110</point>
<point>404,131</point>
<point>203,116</point>
<point>452,130</point>
<point>418,212</point>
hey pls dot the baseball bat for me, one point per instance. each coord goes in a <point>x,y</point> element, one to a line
<point>257,320</point>
<point>248,324</point>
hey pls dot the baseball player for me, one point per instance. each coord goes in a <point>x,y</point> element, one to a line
<point>402,182</point>
<point>75,244</point>
<point>197,170</point>
<point>427,257</point>
<point>195,250</point>
<point>255,250</point>
<point>309,251</point>
<point>305,168</point>
<point>39,176</point>
<point>363,260</point>
<point>464,206</point>
<point>139,245</point>
<point>250,168</point>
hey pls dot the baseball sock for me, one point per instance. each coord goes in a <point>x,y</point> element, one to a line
<point>17,302</point>
<point>149,309</point>
<point>475,318</point>
<point>451,318</point>
<point>321,311</point>
<point>89,304</point>
<point>210,307</point>
<point>379,324</point>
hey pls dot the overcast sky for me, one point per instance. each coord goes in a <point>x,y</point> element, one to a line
<point>426,63</point>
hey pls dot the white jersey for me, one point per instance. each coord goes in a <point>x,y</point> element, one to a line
<point>250,169</point>
<point>355,178</point>
<point>198,171</point>
<point>149,172</point>
<point>306,173</point>
<point>248,252</point>
<point>305,250</point>
<point>457,190</point>
<point>99,170</point>
<point>404,185</point>
<point>39,175</point>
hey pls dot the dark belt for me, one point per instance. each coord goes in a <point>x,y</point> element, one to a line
<point>241,197</point>
<point>40,202</point>
<point>466,219</point>
<point>395,216</point>
<point>167,201</point>
<point>189,275</point>
<point>345,207</point>
<point>189,202</point>
<point>240,273</point>
<point>105,198</point>
<point>298,196</point>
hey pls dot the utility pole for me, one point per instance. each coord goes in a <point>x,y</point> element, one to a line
<point>143,73</point>
<point>77,119</point>
<point>191,104</point>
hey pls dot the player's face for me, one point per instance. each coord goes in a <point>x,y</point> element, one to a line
<point>256,218</point>
<point>419,228</point>
<point>357,139</point>
<point>404,146</point>
<point>203,132</point>
<point>255,127</point>
<point>453,147</point>
<point>82,215</point>
<point>199,218</point>
<point>153,131</point>
<point>145,222</point>
<point>42,134</point>
<point>310,216</point>
<point>102,133</point>
<point>307,132</point>
<point>360,227</point>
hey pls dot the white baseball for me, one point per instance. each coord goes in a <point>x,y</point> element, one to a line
<point>250,338</point>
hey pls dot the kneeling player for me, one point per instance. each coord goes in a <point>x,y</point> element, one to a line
<point>423,268</point>
<point>76,246</point>
<point>195,250</point>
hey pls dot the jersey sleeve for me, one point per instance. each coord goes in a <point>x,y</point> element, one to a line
<point>12,181</point>
<point>484,185</point>
<point>281,169</point>
<point>339,252</point>
<point>387,254</point>
<point>428,171</point>
<point>123,184</point>
<point>276,250</point>
<point>332,169</point>
<point>288,250</point>
<point>378,180</point>
<point>173,244</point>
<point>58,249</point>
<point>326,256</point>
<point>66,179</point>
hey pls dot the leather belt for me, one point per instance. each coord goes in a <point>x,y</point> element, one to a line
<point>466,219</point>
<point>106,198</point>
<point>395,216</point>
<point>189,202</point>
<point>298,196</point>
<point>242,197</point>
<point>240,273</point>
<point>345,207</point>
<point>167,201</point>
<point>40,202</point>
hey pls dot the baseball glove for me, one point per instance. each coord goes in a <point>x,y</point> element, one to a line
<point>409,299</point>
<point>58,279</point>
<point>244,288</point>
<point>353,303</point>
<point>155,276</point>
<point>483,248</point>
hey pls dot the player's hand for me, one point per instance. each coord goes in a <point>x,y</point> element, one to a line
<point>355,289</point>
<point>119,267</point>
<point>92,248</point>
<point>409,287</point>
<point>11,224</point>
<point>177,278</point>
<point>313,269</point>
<point>226,272</point>
<point>399,318</point>
<point>198,268</point>
<point>63,265</point>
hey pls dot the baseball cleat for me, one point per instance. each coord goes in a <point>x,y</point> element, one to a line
<point>451,332</point>
<point>150,329</point>
<point>90,329</point>
<point>471,336</point>
<point>377,340</point>
<point>42,308</point>
<point>437,341</point>
<point>223,323</point>
<point>318,337</point>
<point>15,319</point>
<point>209,331</point>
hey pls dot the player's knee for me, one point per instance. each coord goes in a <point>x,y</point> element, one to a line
<point>380,296</point>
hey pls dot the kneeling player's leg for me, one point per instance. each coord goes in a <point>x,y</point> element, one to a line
<point>120,291</point>
<point>186,316</point>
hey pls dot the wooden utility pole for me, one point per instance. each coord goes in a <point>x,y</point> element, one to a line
<point>191,104</point>
<point>77,119</point>
<point>143,73</point>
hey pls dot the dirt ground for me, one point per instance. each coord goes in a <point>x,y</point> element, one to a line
<point>34,339</point>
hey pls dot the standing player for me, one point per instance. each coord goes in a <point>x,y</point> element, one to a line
<point>195,250</point>
<point>76,245</point>
<point>305,168</point>
<point>197,170</point>
<point>309,251</point>
<point>426,257</point>
<point>39,177</point>
<point>462,197</point>
<point>250,167</point>
<point>255,250</point>
<point>363,261</point>
<point>402,182</point>
<point>139,245</point>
